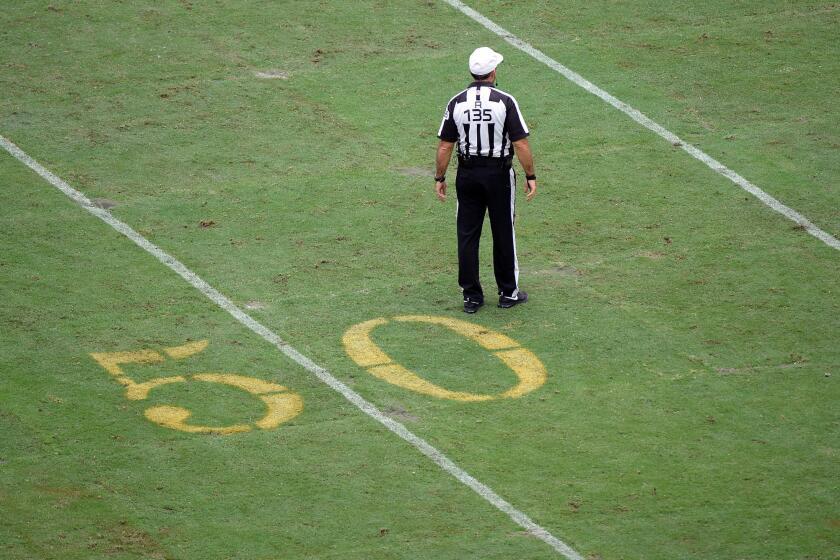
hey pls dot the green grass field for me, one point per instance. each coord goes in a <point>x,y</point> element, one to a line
<point>689,333</point>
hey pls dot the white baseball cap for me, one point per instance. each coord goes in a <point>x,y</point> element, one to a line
<point>484,60</point>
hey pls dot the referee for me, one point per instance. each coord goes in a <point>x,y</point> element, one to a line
<point>488,128</point>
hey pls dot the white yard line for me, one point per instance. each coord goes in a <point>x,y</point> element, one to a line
<point>219,299</point>
<point>646,122</point>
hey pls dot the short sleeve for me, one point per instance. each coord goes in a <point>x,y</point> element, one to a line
<point>448,130</point>
<point>514,123</point>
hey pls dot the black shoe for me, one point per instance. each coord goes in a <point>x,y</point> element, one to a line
<point>510,301</point>
<point>472,305</point>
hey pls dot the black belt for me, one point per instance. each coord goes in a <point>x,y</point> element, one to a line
<point>484,161</point>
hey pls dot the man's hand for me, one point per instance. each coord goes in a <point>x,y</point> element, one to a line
<point>444,153</point>
<point>530,189</point>
<point>523,152</point>
<point>440,189</point>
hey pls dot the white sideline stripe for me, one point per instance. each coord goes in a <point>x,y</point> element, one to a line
<point>643,120</point>
<point>216,297</point>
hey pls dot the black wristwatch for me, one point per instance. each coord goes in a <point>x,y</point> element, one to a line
<point>530,177</point>
<point>440,179</point>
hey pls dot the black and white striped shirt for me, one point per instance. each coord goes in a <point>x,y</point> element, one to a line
<point>484,121</point>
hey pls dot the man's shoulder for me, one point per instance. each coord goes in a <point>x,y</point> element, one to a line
<point>499,95</point>
<point>459,97</point>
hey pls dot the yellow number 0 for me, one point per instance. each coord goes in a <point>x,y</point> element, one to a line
<point>527,367</point>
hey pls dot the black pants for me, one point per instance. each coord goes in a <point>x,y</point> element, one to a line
<point>482,189</point>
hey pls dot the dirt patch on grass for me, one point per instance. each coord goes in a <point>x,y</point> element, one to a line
<point>752,369</point>
<point>63,495</point>
<point>61,491</point>
<point>652,255</point>
<point>415,172</point>
<point>123,539</point>
<point>400,414</point>
<point>132,540</point>
<point>272,75</point>
<point>560,269</point>
<point>524,534</point>
<point>104,203</point>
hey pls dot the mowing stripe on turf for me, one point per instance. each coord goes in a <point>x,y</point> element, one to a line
<point>219,299</point>
<point>646,122</point>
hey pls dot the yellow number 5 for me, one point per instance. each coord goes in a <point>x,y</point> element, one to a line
<point>281,404</point>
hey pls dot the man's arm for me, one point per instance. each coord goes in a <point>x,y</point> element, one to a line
<point>444,153</point>
<point>526,158</point>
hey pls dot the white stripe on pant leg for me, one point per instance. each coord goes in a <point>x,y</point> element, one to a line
<point>513,229</point>
<point>457,208</point>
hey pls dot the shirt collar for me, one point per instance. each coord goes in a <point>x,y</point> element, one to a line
<point>482,84</point>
